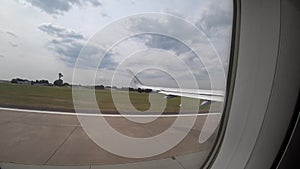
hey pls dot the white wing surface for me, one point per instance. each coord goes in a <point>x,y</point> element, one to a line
<point>209,95</point>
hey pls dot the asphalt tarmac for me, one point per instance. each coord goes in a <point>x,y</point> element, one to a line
<point>43,139</point>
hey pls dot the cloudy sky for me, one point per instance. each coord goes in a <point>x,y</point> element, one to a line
<point>40,38</point>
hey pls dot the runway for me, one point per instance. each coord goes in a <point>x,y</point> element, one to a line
<point>42,138</point>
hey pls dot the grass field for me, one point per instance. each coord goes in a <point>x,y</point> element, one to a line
<point>60,98</point>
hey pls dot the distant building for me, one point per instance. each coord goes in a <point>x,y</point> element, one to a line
<point>101,87</point>
<point>59,82</point>
<point>40,83</point>
<point>20,81</point>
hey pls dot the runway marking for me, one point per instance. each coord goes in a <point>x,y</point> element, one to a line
<point>104,115</point>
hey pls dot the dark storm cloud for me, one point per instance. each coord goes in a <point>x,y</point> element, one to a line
<point>61,6</point>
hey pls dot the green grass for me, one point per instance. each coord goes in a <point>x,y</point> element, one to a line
<point>60,98</point>
<point>36,97</point>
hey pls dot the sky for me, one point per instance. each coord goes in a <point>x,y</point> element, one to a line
<point>40,38</point>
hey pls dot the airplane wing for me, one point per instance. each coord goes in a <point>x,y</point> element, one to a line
<point>209,95</point>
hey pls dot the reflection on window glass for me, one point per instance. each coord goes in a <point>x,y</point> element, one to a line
<point>98,82</point>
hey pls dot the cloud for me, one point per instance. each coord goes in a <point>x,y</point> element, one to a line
<point>104,14</point>
<point>61,6</point>
<point>10,38</point>
<point>165,24</point>
<point>64,44</point>
<point>13,44</point>
<point>166,43</point>
<point>11,34</point>
<point>216,24</point>
<point>67,45</point>
<point>175,27</point>
<point>2,56</point>
<point>155,56</point>
<point>60,32</point>
<point>215,17</point>
<point>69,53</point>
<point>177,48</point>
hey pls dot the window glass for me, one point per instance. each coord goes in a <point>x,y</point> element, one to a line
<point>98,82</point>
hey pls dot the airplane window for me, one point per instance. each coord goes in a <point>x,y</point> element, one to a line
<point>101,83</point>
